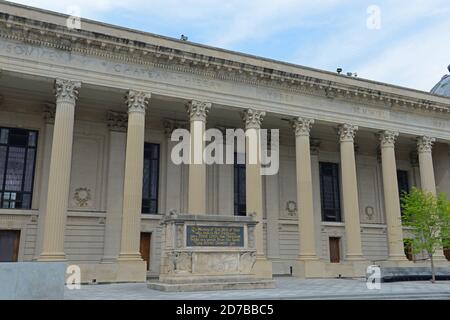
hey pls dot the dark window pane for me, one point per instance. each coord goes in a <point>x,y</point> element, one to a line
<point>403,184</point>
<point>15,168</point>
<point>240,199</point>
<point>4,136</point>
<point>26,200</point>
<point>146,179</point>
<point>18,137</point>
<point>2,164</point>
<point>150,178</point>
<point>29,168</point>
<point>329,191</point>
<point>17,162</point>
<point>32,139</point>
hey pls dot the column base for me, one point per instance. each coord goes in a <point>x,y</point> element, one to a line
<point>52,256</point>
<point>114,272</point>
<point>440,258</point>
<point>262,268</point>
<point>309,268</point>
<point>133,256</point>
<point>109,260</point>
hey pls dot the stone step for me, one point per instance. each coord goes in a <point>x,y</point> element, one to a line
<point>213,286</point>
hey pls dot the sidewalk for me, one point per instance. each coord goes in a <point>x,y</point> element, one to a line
<point>287,288</point>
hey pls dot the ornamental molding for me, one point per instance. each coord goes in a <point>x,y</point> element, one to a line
<point>82,197</point>
<point>425,144</point>
<point>198,110</point>
<point>66,90</point>
<point>347,132</point>
<point>137,101</point>
<point>387,138</point>
<point>302,126</point>
<point>117,121</point>
<point>253,118</point>
<point>59,37</point>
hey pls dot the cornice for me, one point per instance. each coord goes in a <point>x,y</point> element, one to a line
<point>101,45</point>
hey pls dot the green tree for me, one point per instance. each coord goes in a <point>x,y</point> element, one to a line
<point>428,216</point>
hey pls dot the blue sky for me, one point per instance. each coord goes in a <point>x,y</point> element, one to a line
<point>410,48</point>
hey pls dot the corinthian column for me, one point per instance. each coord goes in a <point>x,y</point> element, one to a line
<point>134,165</point>
<point>391,196</point>
<point>253,178</point>
<point>427,180</point>
<point>350,191</point>
<point>424,146</point>
<point>59,175</point>
<point>198,111</point>
<point>253,185</point>
<point>307,248</point>
<point>117,125</point>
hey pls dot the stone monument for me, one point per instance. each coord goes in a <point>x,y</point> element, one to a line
<point>208,252</point>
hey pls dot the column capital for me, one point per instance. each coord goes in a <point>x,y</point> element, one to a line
<point>137,101</point>
<point>302,126</point>
<point>67,90</point>
<point>425,144</point>
<point>198,110</point>
<point>387,138</point>
<point>253,118</point>
<point>347,132</point>
<point>117,121</point>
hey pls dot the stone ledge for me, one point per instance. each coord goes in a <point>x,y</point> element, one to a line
<point>213,286</point>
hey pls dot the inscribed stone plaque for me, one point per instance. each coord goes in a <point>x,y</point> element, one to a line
<point>214,236</point>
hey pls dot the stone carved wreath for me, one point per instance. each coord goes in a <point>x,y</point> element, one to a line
<point>82,196</point>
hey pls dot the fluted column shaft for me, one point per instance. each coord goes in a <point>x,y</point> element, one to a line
<point>117,124</point>
<point>307,247</point>
<point>198,112</point>
<point>391,196</point>
<point>427,180</point>
<point>134,165</point>
<point>59,175</point>
<point>253,179</point>
<point>350,192</point>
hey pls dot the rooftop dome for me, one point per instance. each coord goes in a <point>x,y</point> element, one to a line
<point>442,88</point>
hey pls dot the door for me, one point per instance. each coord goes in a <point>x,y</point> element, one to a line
<point>335,252</point>
<point>9,245</point>
<point>447,253</point>
<point>146,238</point>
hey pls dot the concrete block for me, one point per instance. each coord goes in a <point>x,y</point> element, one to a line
<point>32,280</point>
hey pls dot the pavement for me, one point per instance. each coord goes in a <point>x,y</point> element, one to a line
<point>287,288</point>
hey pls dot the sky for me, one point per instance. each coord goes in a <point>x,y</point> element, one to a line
<point>402,42</point>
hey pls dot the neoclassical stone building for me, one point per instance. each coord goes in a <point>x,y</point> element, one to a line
<point>85,169</point>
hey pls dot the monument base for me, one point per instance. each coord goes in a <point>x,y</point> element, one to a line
<point>214,285</point>
<point>210,252</point>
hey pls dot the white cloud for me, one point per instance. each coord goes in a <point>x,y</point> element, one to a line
<point>411,49</point>
<point>417,61</point>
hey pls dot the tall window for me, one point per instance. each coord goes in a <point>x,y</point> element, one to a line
<point>17,161</point>
<point>403,183</point>
<point>240,204</point>
<point>150,178</point>
<point>329,191</point>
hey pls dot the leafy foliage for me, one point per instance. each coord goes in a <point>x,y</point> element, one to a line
<point>428,216</point>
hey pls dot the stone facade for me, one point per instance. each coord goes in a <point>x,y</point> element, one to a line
<point>86,203</point>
